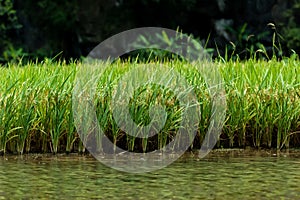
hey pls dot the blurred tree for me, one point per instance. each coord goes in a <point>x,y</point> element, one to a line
<point>100,19</point>
<point>75,27</point>
<point>9,26</point>
<point>50,27</point>
<point>290,27</point>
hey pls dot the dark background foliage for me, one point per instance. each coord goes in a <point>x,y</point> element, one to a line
<point>70,29</point>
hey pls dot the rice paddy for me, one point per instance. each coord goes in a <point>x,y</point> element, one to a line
<point>263,106</point>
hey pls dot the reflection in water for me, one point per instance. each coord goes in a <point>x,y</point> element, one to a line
<point>213,178</point>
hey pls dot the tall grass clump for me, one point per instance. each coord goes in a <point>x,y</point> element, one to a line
<point>263,106</point>
<point>263,101</point>
<point>35,105</point>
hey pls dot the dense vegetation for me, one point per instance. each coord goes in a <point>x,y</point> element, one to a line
<point>263,106</point>
<point>262,85</point>
<point>45,28</point>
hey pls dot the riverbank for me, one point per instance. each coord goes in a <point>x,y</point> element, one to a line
<point>263,106</point>
<point>188,156</point>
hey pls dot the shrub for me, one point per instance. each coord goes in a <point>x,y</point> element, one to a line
<point>291,27</point>
<point>8,26</point>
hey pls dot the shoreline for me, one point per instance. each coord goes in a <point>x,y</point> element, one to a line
<point>214,154</point>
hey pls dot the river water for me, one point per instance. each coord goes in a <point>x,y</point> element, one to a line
<point>219,176</point>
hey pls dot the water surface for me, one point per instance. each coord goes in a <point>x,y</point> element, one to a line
<point>215,177</point>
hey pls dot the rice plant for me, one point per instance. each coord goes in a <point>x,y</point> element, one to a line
<point>263,106</point>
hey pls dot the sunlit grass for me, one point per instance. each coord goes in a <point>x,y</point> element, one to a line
<point>263,106</point>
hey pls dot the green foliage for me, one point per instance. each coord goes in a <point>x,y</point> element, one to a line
<point>154,50</point>
<point>55,21</point>
<point>53,26</point>
<point>161,41</point>
<point>8,26</point>
<point>247,43</point>
<point>291,28</point>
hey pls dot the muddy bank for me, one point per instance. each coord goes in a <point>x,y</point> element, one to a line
<point>193,155</point>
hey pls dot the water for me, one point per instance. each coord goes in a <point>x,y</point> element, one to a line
<point>215,177</point>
